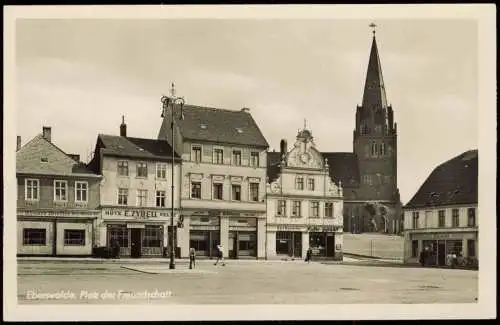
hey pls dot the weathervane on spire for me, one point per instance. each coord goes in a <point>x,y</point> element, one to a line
<point>372,25</point>
<point>305,124</point>
<point>172,90</point>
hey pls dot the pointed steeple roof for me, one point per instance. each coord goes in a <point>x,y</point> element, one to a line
<point>374,94</point>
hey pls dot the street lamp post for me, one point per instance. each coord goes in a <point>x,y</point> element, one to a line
<point>171,101</point>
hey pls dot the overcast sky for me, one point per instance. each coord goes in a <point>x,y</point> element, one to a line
<point>80,76</point>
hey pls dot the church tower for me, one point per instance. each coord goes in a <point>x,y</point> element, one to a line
<point>375,138</point>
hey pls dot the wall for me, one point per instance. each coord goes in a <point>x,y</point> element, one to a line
<point>432,219</point>
<point>35,249</point>
<point>112,182</point>
<point>74,250</point>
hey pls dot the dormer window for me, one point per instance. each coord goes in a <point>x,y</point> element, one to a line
<point>239,130</point>
<point>44,159</point>
<point>203,126</point>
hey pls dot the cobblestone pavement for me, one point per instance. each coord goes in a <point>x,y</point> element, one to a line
<point>240,282</point>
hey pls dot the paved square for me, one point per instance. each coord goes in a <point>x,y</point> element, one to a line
<point>241,282</point>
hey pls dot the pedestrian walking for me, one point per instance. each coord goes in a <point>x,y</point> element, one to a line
<point>308,255</point>
<point>220,255</point>
<point>192,258</point>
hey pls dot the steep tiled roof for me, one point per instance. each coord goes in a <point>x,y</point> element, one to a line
<point>343,167</point>
<point>218,125</point>
<point>452,183</point>
<point>273,165</point>
<point>135,147</point>
<point>43,157</point>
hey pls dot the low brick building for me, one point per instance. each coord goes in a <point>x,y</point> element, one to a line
<point>57,200</point>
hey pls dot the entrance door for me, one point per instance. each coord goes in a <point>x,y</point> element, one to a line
<point>441,252</point>
<point>135,238</point>
<point>330,245</point>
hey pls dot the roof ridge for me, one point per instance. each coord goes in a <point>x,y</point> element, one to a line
<point>214,108</point>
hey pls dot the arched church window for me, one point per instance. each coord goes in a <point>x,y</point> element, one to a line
<point>374,149</point>
<point>382,149</point>
<point>367,151</point>
<point>378,128</point>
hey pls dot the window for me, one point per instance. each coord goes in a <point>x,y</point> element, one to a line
<point>378,128</point>
<point>32,189</point>
<point>195,190</point>
<point>471,248</point>
<point>152,236</point>
<point>310,184</point>
<point>218,156</point>
<point>118,233</point>
<point>74,237</point>
<point>161,170</point>
<point>217,191</point>
<point>455,219</point>
<point>142,169</point>
<point>60,190</point>
<point>142,198</point>
<point>281,208</point>
<point>160,198</point>
<point>329,210</point>
<point>415,216</point>
<point>237,158</point>
<point>427,219</point>
<point>34,236</point>
<point>374,149</point>
<point>254,159</point>
<point>122,196</point>
<point>299,183</point>
<point>441,220</point>
<point>196,154</point>
<point>314,213</point>
<point>471,217</point>
<point>254,192</point>
<point>81,190</point>
<point>414,248</point>
<point>382,149</point>
<point>236,194</point>
<point>367,179</point>
<point>122,168</point>
<point>296,205</point>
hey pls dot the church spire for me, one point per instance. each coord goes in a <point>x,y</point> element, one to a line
<point>374,95</point>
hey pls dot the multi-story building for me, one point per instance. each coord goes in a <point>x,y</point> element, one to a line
<point>442,215</point>
<point>57,200</point>
<point>136,195</point>
<point>223,180</point>
<point>304,205</point>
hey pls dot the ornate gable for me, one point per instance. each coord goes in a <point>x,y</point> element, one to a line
<point>304,153</point>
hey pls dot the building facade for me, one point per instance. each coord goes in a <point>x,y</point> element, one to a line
<point>304,205</point>
<point>136,195</point>
<point>57,200</point>
<point>442,216</point>
<point>223,187</point>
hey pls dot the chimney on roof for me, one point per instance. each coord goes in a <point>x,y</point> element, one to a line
<point>283,148</point>
<point>18,146</point>
<point>47,133</point>
<point>123,127</point>
<point>245,109</point>
<point>75,157</point>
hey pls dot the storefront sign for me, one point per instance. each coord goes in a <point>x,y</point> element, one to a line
<point>289,228</point>
<point>135,225</point>
<point>253,180</point>
<point>440,236</point>
<point>315,228</point>
<point>137,214</point>
<point>58,213</point>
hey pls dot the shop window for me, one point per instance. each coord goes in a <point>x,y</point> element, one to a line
<point>281,208</point>
<point>161,170</point>
<point>32,189</point>
<point>74,237</point>
<point>160,198</point>
<point>247,242</point>
<point>123,196</point>
<point>296,207</point>
<point>217,191</point>
<point>142,198</point>
<point>455,218</point>
<point>60,190</point>
<point>236,193</point>
<point>453,247</point>
<point>122,168</point>
<point>254,159</point>
<point>328,210</point>
<point>34,236</point>
<point>310,184</point>
<point>81,191</point>
<point>471,217</point>
<point>414,248</point>
<point>119,234</point>
<point>441,219</point>
<point>142,169</point>
<point>299,183</point>
<point>152,236</point>
<point>199,240</point>
<point>254,192</point>
<point>237,157</point>
<point>195,190</point>
<point>471,247</point>
<point>196,154</point>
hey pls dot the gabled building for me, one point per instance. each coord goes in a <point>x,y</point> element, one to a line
<point>136,196</point>
<point>223,179</point>
<point>57,200</point>
<point>443,215</point>
<point>304,205</point>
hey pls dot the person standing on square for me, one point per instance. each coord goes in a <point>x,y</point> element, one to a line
<point>192,258</point>
<point>220,255</point>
